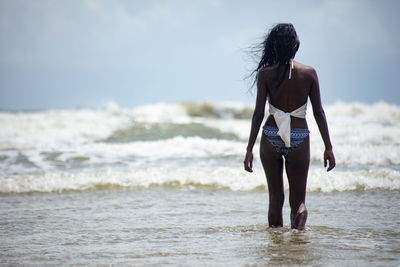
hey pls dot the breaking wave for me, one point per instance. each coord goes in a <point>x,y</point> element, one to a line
<point>221,178</point>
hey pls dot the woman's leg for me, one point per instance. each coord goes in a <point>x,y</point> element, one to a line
<point>297,164</point>
<point>273,166</point>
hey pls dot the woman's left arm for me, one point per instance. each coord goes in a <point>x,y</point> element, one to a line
<point>256,121</point>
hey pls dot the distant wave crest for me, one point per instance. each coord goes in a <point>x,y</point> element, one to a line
<point>221,178</point>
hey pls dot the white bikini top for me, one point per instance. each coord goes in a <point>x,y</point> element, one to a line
<point>282,120</point>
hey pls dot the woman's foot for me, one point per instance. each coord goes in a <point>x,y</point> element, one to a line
<point>300,218</point>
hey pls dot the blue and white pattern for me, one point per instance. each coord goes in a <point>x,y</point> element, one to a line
<point>297,135</point>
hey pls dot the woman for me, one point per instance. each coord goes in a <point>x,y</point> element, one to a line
<point>287,85</point>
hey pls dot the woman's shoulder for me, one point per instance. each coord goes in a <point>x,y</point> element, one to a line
<point>267,71</point>
<point>300,66</point>
<point>302,71</point>
<point>264,73</point>
<point>306,70</point>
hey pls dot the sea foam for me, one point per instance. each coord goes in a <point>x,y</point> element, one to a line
<point>218,178</point>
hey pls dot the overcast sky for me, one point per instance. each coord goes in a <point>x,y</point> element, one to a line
<point>66,54</point>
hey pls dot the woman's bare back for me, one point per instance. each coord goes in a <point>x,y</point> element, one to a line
<point>288,94</point>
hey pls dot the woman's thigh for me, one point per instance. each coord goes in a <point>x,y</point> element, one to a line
<point>272,162</point>
<point>297,164</point>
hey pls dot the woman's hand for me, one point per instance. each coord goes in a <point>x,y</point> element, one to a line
<point>328,156</point>
<point>248,161</point>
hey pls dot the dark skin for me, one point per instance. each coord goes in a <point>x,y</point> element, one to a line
<point>288,96</point>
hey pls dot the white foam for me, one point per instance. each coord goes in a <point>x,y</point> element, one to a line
<point>50,129</point>
<point>382,178</point>
<point>161,112</point>
<point>132,154</point>
<point>361,134</point>
<point>230,178</point>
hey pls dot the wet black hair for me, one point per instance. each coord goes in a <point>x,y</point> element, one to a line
<point>279,47</point>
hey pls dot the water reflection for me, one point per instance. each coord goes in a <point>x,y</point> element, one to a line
<point>284,246</point>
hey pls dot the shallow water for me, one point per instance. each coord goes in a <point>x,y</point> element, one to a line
<point>196,227</point>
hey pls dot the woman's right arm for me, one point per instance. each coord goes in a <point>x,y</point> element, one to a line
<point>320,118</point>
<point>256,121</point>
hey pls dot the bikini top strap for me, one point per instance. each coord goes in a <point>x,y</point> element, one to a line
<point>290,68</point>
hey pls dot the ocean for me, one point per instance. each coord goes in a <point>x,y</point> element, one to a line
<point>164,184</point>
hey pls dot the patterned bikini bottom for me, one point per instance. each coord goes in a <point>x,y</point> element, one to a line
<point>297,136</point>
